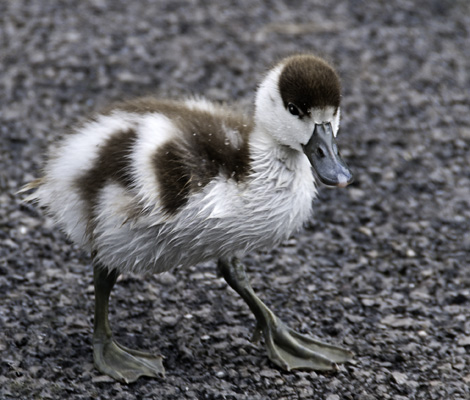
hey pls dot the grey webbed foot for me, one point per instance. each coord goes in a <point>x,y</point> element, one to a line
<point>123,364</point>
<point>291,350</point>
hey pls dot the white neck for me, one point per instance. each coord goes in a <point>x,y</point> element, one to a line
<point>264,147</point>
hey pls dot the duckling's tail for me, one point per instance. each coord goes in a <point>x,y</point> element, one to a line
<point>31,186</point>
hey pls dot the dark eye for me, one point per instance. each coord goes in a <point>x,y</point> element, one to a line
<point>293,109</point>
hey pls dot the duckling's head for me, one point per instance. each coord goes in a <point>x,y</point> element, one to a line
<point>298,105</point>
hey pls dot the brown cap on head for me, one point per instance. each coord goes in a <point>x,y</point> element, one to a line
<point>309,82</point>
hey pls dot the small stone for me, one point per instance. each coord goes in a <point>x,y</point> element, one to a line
<point>332,397</point>
<point>269,373</point>
<point>356,194</point>
<point>459,366</point>
<point>410,253</point>
<point>102,379</point>
<point>464,341</point>
<point>365,230</point>
<point>399,377</point>
<point>397,322</point>
<point>368,302</point>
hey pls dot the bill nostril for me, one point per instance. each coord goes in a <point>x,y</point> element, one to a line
<point>320,152</point>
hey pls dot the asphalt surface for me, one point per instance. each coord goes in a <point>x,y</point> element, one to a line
<point>383,266</point>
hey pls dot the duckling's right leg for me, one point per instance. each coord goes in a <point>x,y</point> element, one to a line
<point>286,348</point>
<point>110,357</point>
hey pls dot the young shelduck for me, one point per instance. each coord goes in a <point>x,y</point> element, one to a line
<point>153,184</point>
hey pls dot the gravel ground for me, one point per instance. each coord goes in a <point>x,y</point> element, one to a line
<point>382,267</point>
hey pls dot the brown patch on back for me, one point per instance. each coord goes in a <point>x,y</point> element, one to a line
<point>202,151</point>
<point>309,82</point>
<point>113,163</point>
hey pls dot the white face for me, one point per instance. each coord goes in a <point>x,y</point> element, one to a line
<point>288,129</point>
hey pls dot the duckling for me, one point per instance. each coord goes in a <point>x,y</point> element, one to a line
<point>148,185</point>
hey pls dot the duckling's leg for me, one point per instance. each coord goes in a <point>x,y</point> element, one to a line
<point>110,357</point>
<point>286,348</point>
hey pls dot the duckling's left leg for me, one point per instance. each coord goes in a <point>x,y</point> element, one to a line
<point>286,348</point>
<point>110,357</point>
